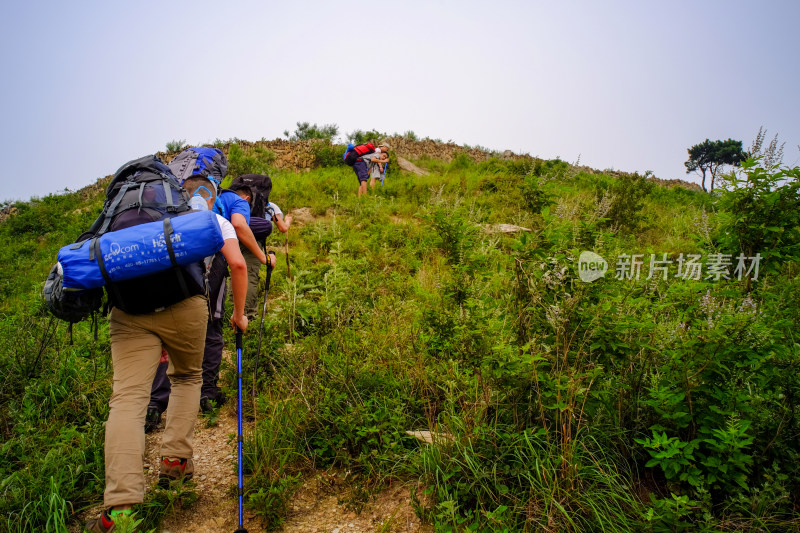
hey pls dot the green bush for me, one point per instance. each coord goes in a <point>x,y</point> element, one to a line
<point>760,213</point>
<point>175,146</point>
<point>623,201</point>
<point>306,132</point>
<point>327,154</point>
<point>257,160</point>
<point>363,137</point>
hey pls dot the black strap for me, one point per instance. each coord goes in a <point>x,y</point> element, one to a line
<point>78,245</point>
<point>112,209</point>
<point>95,252</point>
<point>168,232</point>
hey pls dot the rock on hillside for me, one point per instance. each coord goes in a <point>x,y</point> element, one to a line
<point>408,166</point>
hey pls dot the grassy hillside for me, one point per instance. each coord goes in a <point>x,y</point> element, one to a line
<point>554,404</point>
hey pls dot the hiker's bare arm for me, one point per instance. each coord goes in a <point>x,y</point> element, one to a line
<point>246,237</point>
<point>283,224</point>
<point>238,268</point>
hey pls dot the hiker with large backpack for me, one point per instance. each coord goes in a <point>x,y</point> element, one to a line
<point>357,156</point>
<point>153,307</point>
<point>264,215</point>
<point>191,165</point>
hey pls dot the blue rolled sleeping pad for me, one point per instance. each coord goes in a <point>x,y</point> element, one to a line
<point>140,250</point>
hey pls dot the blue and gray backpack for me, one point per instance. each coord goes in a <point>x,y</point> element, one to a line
<point>200,160</point>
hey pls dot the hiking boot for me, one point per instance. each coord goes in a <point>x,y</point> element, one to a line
<point>105,523</point>
<point>101,524</point>
<point>207,404</point>
<point>221,399</point>
<point>175,470</point>
<point>152,419</point>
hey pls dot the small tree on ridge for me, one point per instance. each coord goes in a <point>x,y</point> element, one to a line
<point>711,155</point>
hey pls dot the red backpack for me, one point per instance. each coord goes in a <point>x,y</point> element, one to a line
<point>354,154</point>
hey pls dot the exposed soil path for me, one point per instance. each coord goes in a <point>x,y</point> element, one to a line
<point>315,507</point>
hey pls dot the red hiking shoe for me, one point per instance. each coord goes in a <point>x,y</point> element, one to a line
<point>175,470</point>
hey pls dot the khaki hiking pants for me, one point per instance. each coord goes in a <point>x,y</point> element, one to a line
<point>251,305</point>
<point>136,342</point>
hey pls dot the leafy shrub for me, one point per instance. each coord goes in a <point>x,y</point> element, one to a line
<point>363,137</point>
<point>535,197</point>
<point>255,161</point>
<point>306,132</point>
<point>550,168</point>
<point>461,161</point>
<point>761,213</point>
<point>175,146</point>
<point>624,200</point>
<point>327,154</point>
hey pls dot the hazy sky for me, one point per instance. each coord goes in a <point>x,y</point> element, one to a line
<point>89,85</point>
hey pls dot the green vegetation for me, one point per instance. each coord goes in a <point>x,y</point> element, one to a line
<point>175,146</point>
<point>307,132</point>
<point>661,404</point>
<point>362,137</point>
<point>259,160</point>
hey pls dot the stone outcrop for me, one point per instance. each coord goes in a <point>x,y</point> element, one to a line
<point>408,166</point>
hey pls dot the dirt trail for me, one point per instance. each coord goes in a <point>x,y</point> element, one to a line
<point>315,508</point>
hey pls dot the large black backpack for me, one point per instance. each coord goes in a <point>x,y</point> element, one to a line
<point>143,190</point>
<point>260,186</point>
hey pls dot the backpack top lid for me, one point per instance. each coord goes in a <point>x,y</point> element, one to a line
<point>260,186</point>
<point>200,160</point>
<point>258,183</point>
<point>148,163</point>
<point>142,190</point>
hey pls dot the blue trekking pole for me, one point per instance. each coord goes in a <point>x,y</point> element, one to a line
<point>241,438</point>
<point>383,174</point>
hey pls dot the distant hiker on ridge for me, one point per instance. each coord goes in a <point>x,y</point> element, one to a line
<point>355,156</point>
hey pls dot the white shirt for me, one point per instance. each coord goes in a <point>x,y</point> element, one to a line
<point>227,228</point>
<point>274,209</point>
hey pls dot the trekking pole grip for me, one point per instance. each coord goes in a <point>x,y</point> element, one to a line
<point>238,339</point>
<point>269,263</point>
